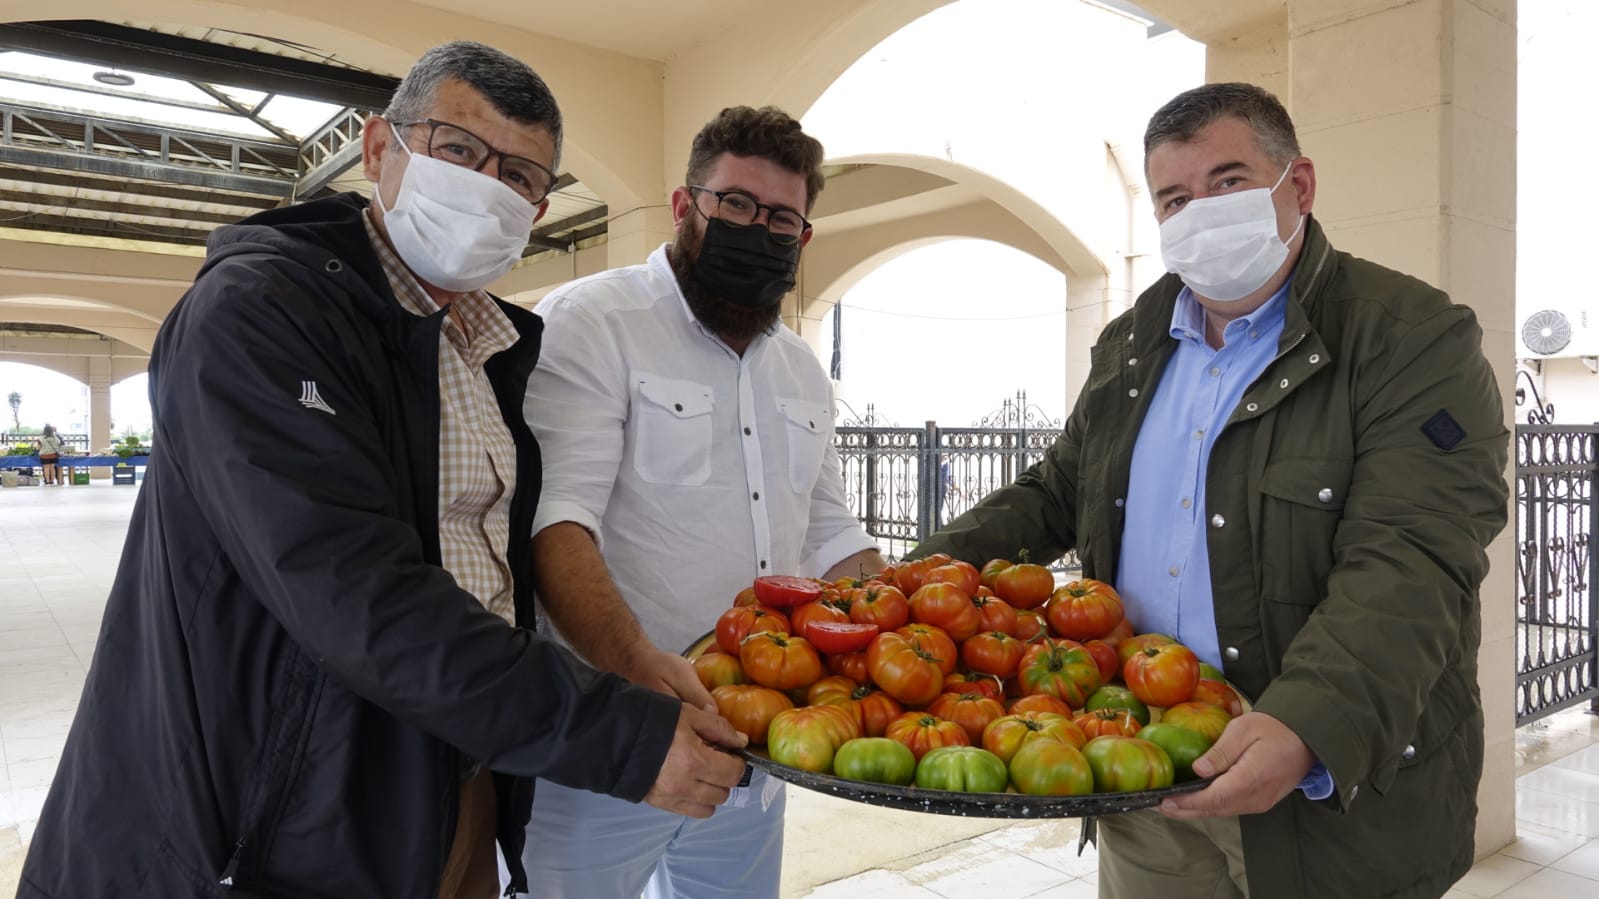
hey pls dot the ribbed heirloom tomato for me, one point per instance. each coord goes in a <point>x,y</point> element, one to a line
<point>718,668</point>
<point>904,670</point>
<point>875,760</point>
<point>1067,673</point>
<point>1125,764</point>
<point>1005,735</point>
<point>990,571</point>
<point>946,607</point>
<point>802,617</point>
<point>965,768</point>
<point>807,738</point>
<point>1111,722</point>
<point>959,573</point>
<point>972,711</point>
<point>1162,675</point>
<point>934,642</point>
<point>750,707</point>
<point>871,707</point>
<point>1024,585</point>
<point>1219,694</point>
<point>741,621</point>
<point>994,652</point>
<point>780,661</point>
<point>850,664</point>
<point>995,614</point>
<point>975,682</point>
<point>924,732</point>
<point>1049,768</point>
<point>1200,717</point>
<point>1040,702</point>
<point>879,604</point>
<point>1084,610</point>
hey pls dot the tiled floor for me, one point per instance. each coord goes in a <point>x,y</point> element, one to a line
<point>58,553</point>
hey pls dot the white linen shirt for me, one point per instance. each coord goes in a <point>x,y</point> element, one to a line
<point>696,470</point>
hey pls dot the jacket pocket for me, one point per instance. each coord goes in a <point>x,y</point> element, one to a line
<point>672,438</point>
<point>806,429</point>
<point>1302,503</point>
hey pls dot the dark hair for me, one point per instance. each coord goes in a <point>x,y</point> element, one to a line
<point>766,133</point>
<point>49,431</point>
<point>515,90</point>
<point>1190,112</point>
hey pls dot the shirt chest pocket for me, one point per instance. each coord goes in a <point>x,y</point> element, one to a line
<point>804,426</point>
<point>1301,507</point>
<point>672,430</point>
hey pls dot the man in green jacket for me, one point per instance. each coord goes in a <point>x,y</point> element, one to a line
<point>1292,459</point>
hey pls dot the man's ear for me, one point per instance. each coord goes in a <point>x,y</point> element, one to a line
<point>1303,176</point>
<point>375,137</point>
<point>682,205</point>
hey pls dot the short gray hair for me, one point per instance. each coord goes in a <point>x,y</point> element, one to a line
<point>1190,112</point>
<point>514,89</point>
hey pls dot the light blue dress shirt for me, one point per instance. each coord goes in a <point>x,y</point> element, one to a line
<point>1164,575</point>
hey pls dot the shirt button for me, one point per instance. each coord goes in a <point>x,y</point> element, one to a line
<point>1409,753</point>
<point>1230,653</point>
<point>678,406</point>
<point>1187,502</point>
<point>746,432</point>
<point>1216,521</point>
<point>763,564</point>
<point>1215,372</point>
<point>1174,571</point>
<point>1253,333</point>
<point>757,495</point>
<point>812,424</point>
<point>1199,434</point>
<point>1324,494</point>
<point>1133,392</point>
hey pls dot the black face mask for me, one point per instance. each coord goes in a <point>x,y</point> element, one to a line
<point>745,265</point>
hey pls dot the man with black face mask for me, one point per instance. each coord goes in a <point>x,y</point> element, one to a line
<point>689,434</point>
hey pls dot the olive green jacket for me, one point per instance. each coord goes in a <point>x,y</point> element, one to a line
<point>1350,498</point>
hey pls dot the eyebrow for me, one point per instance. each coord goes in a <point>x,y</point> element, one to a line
<point>744,190</point>
<point>1212,175</point>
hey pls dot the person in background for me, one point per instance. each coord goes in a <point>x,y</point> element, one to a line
<point>1291,459</point>
<point>310,679</point>
<point>50,447</point>
<point>689,450</point>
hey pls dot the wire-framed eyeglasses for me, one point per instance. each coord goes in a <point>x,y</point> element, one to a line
<point>458,146</point>
<point>737,207</point>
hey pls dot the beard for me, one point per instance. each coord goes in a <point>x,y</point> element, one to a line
<point>726,319</point>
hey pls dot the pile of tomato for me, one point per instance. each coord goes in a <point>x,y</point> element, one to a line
<point>936,673</point>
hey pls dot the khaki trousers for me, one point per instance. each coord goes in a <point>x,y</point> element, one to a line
<point>472,869</point>
<point>1143,855</point>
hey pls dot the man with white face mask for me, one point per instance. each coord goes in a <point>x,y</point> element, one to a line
<point>1290,459</point>
<point>312,680</point>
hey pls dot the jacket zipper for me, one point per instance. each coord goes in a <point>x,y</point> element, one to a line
<point>233,863</point>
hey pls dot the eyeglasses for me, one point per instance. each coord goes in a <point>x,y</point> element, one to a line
<point>458,146</point>
<point>739,208</point>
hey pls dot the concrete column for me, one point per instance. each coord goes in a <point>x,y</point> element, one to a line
<point>1408,108</point>
<point>634,235</point>
<point>99,381</point>
<point>1257,52</point>
<point>1091,303</point>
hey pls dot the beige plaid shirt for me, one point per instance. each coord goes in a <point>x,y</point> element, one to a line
<point>477,458</point>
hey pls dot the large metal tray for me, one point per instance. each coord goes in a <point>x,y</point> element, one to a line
<point>944,802</point>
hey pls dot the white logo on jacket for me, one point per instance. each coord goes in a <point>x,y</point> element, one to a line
<point>311,399</point>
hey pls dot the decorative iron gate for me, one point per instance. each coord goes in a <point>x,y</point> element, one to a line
<point>906,483</point>
<point>1557,594</point>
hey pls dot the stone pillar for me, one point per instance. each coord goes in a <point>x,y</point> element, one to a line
<point>99,410</point>
<point>633,236</point>
<point>1091,303</point>
<point>1408,108</point>
<point>1257,52</point>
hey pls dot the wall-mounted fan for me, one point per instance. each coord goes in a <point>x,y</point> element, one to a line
<point>1546,332</point>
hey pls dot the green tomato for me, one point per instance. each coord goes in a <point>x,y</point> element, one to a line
<point>1127,764</point>
<point>966,769</point>
<point>1111,696</point>
<point>1182,746</point>
<point>875,759</point>
<point>1048,768</point>
<point>1211,672</point>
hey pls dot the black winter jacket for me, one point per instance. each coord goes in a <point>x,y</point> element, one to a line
<point>287,683</point>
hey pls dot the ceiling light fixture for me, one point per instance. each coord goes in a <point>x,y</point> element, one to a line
<point>115,79</point>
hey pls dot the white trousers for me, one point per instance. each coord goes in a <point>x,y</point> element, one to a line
<point>583,845</point>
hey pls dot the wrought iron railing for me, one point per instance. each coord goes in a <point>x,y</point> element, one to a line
<point>1557,593</point>
<point>906,483</point>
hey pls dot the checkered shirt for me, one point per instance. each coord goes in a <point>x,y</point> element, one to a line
<point>477,457</point>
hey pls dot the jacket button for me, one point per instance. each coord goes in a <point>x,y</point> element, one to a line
<point>1132,361</point>
<point>1283,383</point>
<point>1230,653</point>
<point>1353,792</point>
<point>1253,407</point>
<point>1120,502</point>
<point>1133,392</point>
<point>1314,358</point>
<point>1409,753</point>
<point>1324,495</point>
<point>1216,521</point>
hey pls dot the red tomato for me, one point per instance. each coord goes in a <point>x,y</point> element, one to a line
<point>1119,633</point>
<point>923,733</point>
<point>1200,717</point>
<point>1105,656</point>
<point>781,591</point>
<point>807,738</point>
<point>961,574</point>
<point>904,670</point>
<point>1134,645</point>
<point>1040,702</point>
<point>1006,734</point>
<point>850,664</point>
<point>1069,674</point>
<point>1025,586</point>
<point>750,707</point>
<point>1162,675</point>
<point>1084,610</point>
<point>880,604</point>
<point>741,621</point>
<point>909,576</point>
<point>994,652</point>
<point>1030,625</point>
<point>717,669</point>
<point>995,614</point>
<point>841,636</point>
<point>746,597</point>
<point>991,570</point>
<point>1119,722</point>
<point>972,711</point>
<point>1049,768</point>
<point>935,642</point>
<point>974,682</point>
<point>802,617</point>
<point>946,607</point>
<point>1219,694</point>
<point>780,661</point>
<point>831,686</point>
<point>871,707</point>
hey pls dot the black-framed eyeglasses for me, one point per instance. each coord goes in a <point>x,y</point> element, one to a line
<point>458,146</point>
<point>739,208</point>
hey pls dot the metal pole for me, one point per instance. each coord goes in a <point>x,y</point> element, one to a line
<point>926,505</point>
<point>1592,460</point>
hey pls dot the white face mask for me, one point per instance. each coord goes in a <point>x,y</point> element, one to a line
<point>455,228</point>
<point>1226,247</point>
